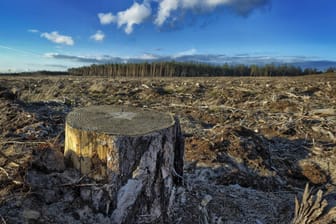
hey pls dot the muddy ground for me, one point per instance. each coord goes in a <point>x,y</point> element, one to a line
<point>251,145</point>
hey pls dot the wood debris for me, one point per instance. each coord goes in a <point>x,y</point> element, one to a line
<point>251,143</point>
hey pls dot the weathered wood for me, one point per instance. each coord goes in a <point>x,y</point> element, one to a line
<point>138,152</point>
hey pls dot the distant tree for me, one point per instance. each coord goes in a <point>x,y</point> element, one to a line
<point>331,70</point>
<point>186,69</point>
<point>310,71</point>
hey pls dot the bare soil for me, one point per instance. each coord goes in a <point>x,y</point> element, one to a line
<point>251,145</point>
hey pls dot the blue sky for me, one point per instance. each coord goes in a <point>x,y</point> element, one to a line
<point>58,34</point>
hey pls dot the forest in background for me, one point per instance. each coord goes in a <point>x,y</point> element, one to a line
<point>179,69</point>
<point>190,69</point>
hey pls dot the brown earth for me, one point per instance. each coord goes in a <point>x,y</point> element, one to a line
<point>251,145</point>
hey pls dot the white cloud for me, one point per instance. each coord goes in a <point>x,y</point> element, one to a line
<point>148,56</point>
<point>166,7</point>
<point>58,38</point>
<point>215,3</point>
<point>138,13</point>
<point>106,18</point>
<point>86,59</point>
<point>33,31</point>
<point>189,52</point>
<point>50,55</point>
<point>98,36</point>
<point>134,15</point>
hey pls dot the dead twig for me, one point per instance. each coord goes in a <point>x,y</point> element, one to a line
<point>57,138</point>
<point>2,220</point>
<point>9,159</point>
<point>323,112</point>
<point>79,185</point>
<point>76,183</point>
<point>21,143</point>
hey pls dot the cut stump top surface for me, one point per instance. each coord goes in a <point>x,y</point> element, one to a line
<point>119,120</point>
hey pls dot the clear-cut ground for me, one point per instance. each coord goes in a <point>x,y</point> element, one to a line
<point>251,145</point>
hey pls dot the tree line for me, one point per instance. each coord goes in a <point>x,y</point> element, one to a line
<point>188,69</point>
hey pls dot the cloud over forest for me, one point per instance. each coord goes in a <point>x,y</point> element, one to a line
<point>164,11</point>
<point>134,15</point>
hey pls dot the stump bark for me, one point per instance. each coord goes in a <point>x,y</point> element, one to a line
<point>139,153</point>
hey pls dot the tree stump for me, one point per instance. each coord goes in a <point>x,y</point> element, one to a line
<point>138,152</point>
